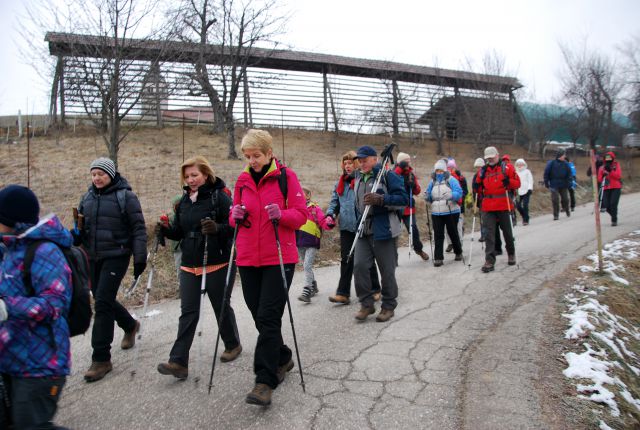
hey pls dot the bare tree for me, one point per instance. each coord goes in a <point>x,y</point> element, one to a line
<point>630,51</point>
<point>590,85</point>
<point>227,34</point>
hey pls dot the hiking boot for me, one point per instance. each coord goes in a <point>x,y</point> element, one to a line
<point>314,288</point>
<point>525,223</point>
<point>384,315</point>
<point>282,370</point>
<point>174,369</point>
<point>458,257</point>
<point>438,263</point>
<point>231,354</point>
<point>512,260</point>
<point>97,370</point>
<point>260,395</point>
<point>423,255</point>
<point>555,218</point>
<point>497,252</point>
<point>481,239</point>
<point>338,298</point>
<point>129,339</point>
<point>364,312</point>
<point>488,267</point>
<point>307,293</point>
<point>614,223</point>
<point>377,296</point>
<point>568,213</point>
<point>449,248</point>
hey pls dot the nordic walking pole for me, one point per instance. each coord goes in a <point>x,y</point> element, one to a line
<point>230,267</point>
<point>203,290</point>
<point>513,233</point>
<point>146,301</point>
<point>386,154</point>
<point>430,233</point>
<point>286,294</point>
<point>410,221</point>
<point>473,228</point>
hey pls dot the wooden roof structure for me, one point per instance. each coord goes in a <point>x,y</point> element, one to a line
<point>64,44</point>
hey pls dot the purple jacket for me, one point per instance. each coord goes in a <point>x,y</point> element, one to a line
<point>34,340</point>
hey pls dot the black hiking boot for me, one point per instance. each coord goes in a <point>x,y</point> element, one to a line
<point>307,293</point>
<point>449,248</point>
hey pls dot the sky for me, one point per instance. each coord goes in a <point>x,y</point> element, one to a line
<point>449,34</point>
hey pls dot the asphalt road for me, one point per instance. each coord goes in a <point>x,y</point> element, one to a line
<point>459,353</point>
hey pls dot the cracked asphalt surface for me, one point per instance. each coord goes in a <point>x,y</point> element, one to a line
<point>459,353</point>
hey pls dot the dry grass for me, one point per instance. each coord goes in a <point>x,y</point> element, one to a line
<point>150,159</point>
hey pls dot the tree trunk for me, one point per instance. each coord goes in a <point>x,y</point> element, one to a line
<point>231,141</point>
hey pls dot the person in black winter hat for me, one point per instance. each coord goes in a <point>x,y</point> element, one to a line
<point>113,230</point>
<point>18,204</point>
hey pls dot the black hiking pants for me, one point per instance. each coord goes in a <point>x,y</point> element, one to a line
<point>610,199</point>
<point>491,221</point>
<point>266,298</point>
<point>190,312</point>
<point>450,222</point>
<point>346,266</point>
<point>559,197</point>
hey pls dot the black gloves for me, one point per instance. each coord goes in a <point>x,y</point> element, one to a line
<point>374,199</point>
<point>505,182</point>
<point>410,180</point>
<point>209,226</point>
<point>138,268</point>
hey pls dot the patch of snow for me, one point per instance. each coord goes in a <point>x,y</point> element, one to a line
<point>604,426</point>
<point>629,398</point>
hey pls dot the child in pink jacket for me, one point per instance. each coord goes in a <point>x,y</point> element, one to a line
<point>308,242</point>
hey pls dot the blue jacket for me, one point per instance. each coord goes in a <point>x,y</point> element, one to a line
<point>444,199</point>
<point>345,206</point>
<point>34,340</point>
<point>386,220</point>
<point>557,174</point>
<point>573,174</point>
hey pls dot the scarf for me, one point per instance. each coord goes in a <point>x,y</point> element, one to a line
<point>344,178</point>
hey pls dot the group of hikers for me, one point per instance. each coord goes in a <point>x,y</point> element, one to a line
<point>261,229</point>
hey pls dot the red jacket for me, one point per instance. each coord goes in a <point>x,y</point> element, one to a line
<point>404,173</point>
<point>256,244</point>
<point>613,179</point>
<point>490,185</point>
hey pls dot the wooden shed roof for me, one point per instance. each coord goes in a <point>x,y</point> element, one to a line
<point>69,44</point>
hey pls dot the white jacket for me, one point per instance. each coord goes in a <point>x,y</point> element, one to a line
<point>526,181</point>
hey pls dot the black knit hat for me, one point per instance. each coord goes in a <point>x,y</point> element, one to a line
<point>104,164</point>
<point>18,204</point>
<point>560,152</point>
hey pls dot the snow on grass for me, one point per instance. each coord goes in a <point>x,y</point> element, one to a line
<point>604,426</point>
<point>588,319</point>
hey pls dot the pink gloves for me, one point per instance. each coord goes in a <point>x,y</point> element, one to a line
<point>273,210</point>
<point>238,213</point>
<point>331,223</point>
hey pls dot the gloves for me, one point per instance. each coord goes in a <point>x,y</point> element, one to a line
<point>273,211</point>
<point>505,182</point>
<point>209,226</point>
<point>138,268</point>
<point>164,220</point>
<point>411,180</point>
<point>3,311</point>
<point>239,213</point>
<point>77,236</point>
<point>607,167</point>
<point>374,199</point>
<point>331,223</point>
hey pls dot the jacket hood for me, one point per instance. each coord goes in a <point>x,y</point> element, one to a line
<point>521,161</point>
<point>49,227</point>
<point>613,156</point>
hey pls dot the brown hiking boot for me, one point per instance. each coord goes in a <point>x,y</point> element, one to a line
<point>174,369</point>
<point>512,260</point>
<point>231,354</point>
<point>424,255</point>
<point>97,370</point>
<point>384,315</point>
<point>260,395</point>
<point>377,296</point>
<point>129,339</point>
<point>338,298</point>
<point>488,267</point>
<point>364,312</point>
<point>282,370</point>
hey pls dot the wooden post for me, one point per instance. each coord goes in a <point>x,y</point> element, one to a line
<point>245,99</point>
<point>325,86</point>
<point>394,114</point>
<point>596,207</point>
<point>183,138</point>
<point>28,158</point>
<point>63,113</point>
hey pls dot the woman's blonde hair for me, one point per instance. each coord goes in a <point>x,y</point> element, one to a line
<point>257,139</point>
<point>203,166</point>
<point>349,155</point>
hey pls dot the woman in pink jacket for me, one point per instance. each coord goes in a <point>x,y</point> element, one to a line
<point>259,200</point>
<point>610,175</point>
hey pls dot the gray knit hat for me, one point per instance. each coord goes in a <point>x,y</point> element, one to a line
<point>104,164</point>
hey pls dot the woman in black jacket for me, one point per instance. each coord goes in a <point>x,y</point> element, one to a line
<point>203,210</point>
<point>113,229</point>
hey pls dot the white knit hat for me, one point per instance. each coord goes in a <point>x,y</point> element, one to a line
<point>104,164</point>
<point>403,156</point>
<point>478,163</point>
<point>440,165</point>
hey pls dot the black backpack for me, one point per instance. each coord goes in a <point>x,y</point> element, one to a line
<point>79,317</point>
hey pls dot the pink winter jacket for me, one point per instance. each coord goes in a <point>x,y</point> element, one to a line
<point>256,244</point>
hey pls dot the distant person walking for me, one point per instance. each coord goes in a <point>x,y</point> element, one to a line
<point>574,184</point>
<point>525,190</point>
<point>557,178</point>
<point>610,175</point>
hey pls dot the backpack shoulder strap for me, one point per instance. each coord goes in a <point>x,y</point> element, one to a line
<point>483,172</point>
<point>215,199</point>
<point>121,195</point>
<point>29,255</point>
<point>282,182</point>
